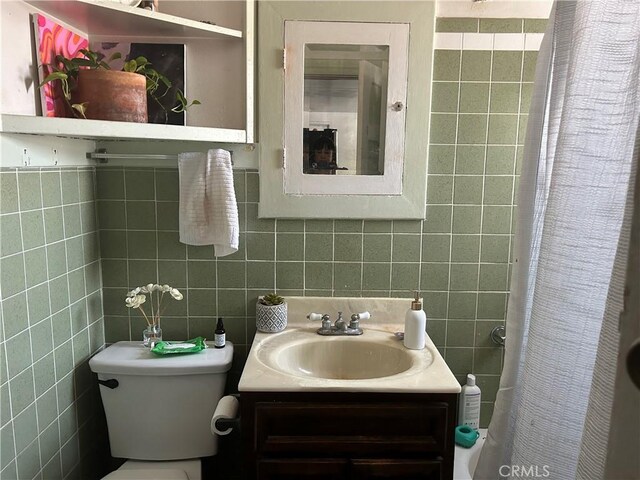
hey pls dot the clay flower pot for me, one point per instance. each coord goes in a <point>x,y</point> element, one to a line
<point>112,95</point>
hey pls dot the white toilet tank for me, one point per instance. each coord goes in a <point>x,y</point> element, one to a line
<point>162,406</point>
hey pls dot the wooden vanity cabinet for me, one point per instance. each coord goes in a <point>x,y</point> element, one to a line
<point>348,435</point>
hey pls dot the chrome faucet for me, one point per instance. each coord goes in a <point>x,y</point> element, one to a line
<point>340,327</point>
<point>340,323</point>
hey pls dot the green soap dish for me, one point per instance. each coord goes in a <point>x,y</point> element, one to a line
<point>172,348</point>
<point>466,436</point>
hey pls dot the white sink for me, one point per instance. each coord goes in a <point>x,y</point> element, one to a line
<point>343,358</point>
<point>300,360</point>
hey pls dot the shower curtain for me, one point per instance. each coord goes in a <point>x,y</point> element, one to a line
<point>553,412</point>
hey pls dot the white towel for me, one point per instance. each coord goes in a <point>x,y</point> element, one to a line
<point>208,208</point>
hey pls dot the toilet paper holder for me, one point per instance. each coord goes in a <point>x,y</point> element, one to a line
<point>223,425</point>
<point>228,423</point>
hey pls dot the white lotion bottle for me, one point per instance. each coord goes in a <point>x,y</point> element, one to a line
<point>415,325</point>
<point>469,411</point>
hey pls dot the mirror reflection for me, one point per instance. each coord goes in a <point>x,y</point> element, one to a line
<point>345,90</point>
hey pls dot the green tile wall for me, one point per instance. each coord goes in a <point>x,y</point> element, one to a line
<point>479,112</point>
<point>491,25</point>
<point>53,259</point>
<point>52,321</point>
<point>458,256</point>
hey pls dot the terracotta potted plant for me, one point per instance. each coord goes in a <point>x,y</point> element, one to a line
<point>93,90</point>
<point>271,313</point>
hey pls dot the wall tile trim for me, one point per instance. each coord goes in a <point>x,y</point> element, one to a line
<point>529,42</point>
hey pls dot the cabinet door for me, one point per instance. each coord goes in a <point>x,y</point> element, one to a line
<point>294,468</point>
<point>332,429</point>
<point>396,469</point>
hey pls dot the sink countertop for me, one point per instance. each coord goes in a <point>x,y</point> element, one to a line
<point>429,373</point>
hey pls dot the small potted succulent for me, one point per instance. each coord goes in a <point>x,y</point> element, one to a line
<point>91,89</point>
<point>271,313</point>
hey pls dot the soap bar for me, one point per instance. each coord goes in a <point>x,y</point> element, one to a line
<point>170,348</point>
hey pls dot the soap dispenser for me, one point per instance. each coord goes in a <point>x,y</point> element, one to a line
<point>415,325</point>
<point>469,407</point>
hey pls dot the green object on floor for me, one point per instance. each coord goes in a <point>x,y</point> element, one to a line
<point>171,348</point>
<point>466,436</point>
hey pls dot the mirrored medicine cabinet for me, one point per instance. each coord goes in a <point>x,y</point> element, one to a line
<point>344,95</point>
<point>344,75</point>
<point>345,89</point>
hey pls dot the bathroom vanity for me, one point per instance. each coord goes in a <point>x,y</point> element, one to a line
<point>348,435</point>
<point>346,407</point>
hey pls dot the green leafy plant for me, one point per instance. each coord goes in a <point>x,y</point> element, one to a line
<point>65,70</point>
<point>271,299</point>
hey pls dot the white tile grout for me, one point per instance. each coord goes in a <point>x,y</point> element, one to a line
<point>35,394</point>
<point>14,414</point>
<point>455,161</point>
<point>482,202</point>
<point>498,82</point>
<point>126,240</point>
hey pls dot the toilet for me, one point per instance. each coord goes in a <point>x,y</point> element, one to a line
<point>159,408</point>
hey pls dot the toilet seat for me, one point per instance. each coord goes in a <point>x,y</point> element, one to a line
<point>139,474</point>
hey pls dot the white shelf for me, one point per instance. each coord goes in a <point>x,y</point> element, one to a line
<point>218,53</point>
<point>104,18</point>
<point>100,129</point>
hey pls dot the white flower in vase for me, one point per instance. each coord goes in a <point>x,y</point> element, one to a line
<point>138,296</point>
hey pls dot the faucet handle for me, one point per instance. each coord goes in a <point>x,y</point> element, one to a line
<point>326,321</point>
<point>356,317</point>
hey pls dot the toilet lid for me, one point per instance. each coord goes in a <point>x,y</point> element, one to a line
<point>139,474</point>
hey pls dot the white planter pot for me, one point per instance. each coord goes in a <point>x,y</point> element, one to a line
<point>271,318</point>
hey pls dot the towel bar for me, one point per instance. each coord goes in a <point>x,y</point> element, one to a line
<point>102,156</point>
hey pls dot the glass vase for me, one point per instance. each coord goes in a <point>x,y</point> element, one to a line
<point>151,335</point>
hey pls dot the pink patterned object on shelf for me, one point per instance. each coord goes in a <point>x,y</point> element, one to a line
<point>53,39</point>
